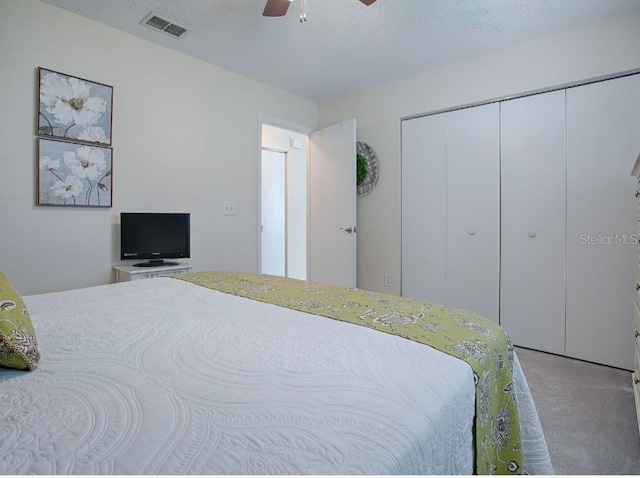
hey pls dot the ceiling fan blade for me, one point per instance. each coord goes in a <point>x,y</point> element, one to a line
<point>276,8</point>
<point>368,2</point>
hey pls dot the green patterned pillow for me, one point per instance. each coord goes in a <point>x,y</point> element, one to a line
<point>18,347</point>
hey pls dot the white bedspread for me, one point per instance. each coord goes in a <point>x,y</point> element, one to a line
<point>160,376</point>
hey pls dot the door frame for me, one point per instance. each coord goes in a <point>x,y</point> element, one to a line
<point>264,119</point>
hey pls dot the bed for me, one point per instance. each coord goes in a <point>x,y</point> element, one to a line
<point>165,376</point>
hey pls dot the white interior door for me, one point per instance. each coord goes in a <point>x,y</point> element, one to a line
<point>424,208</point>
<point>533,229</point>
<point>273,230</point>
<point>603,138</point>
<point>332,204</point>
<point>473,210</point>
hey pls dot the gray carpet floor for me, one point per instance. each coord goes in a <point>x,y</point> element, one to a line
<point>587,413</point>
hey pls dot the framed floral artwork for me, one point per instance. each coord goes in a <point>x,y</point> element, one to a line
<point>73,108</point>
<point>74,174</point>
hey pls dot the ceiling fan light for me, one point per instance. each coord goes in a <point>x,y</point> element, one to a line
<point>303,10</point>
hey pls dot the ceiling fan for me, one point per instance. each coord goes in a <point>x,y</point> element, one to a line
<point>278,8</point>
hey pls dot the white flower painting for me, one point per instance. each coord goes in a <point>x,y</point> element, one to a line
<point>71,174</point>
<point>74,108</point>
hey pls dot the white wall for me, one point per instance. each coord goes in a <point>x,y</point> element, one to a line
<point>601,49</point>
<point>280,139</point>
<point>185,138</point>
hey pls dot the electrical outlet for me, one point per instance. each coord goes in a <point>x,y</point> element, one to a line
<point>229,208</point>
<point>388,280</point>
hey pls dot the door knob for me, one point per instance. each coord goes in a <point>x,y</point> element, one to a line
<point>348,229</point>
<point>471,232</point>
<point>532,234</point>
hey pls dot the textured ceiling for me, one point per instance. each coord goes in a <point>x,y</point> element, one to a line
<point>345,46</point>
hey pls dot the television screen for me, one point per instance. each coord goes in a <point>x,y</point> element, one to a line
<point>154,236</point>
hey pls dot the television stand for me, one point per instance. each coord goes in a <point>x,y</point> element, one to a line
<point>128,273</point>
<point>156,263</point>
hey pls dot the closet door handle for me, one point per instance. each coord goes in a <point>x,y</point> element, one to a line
<point>637,334</point>
<point>637,193</point>
<point>637,286</point>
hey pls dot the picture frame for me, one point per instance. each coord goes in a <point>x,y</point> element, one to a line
<point>73,174</point>
<point>72,108</point>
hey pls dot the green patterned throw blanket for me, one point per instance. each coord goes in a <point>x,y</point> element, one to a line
<point>481,343</point>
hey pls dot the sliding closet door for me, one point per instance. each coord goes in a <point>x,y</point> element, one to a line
<point>603,138</point>
<point>473,209</point>
<point>424,208</point>
<point>533,232</point>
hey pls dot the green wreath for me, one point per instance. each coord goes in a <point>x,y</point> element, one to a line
<point>362,169</point>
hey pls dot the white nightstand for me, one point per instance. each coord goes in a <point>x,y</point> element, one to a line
<point>127,273</point>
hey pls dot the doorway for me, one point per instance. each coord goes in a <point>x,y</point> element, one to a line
<point>320,199</point>
<point>283,200</point>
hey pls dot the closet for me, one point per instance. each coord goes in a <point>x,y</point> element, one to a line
<point>523,211</point>
<point>533,218</point>
<point>451,209</point>
<point>603,132</point>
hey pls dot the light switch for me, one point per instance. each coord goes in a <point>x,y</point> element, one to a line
<point>388,280</point>
<point>229,208</point>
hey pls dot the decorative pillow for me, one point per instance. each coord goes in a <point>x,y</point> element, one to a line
<point>18,347</point>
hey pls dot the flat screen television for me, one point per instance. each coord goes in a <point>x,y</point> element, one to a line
<point>154,236</point>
